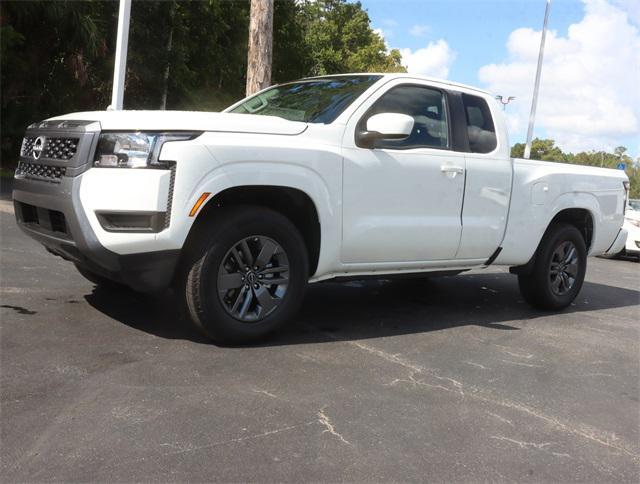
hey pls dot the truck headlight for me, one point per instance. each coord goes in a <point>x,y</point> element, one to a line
<point>134,149</point>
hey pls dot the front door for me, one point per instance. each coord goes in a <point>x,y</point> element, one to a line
<point>402,199</point>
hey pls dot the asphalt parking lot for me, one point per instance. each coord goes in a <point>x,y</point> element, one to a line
<point>445,380</point>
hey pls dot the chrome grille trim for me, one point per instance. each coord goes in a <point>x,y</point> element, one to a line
<point>55,148</point>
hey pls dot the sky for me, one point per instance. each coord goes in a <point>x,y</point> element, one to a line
<point>590,86</point>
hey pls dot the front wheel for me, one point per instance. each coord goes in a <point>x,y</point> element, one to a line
<point>559,269</point>
<point>248,275</point>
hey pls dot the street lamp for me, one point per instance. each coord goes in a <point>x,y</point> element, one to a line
<point>503,102</point>
<point>120,65</point>
<point>536,85</point>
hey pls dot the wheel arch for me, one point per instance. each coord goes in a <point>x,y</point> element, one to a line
<point>581,218</point>
<point>293,203</point>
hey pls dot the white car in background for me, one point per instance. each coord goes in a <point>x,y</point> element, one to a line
<point>632,226</point>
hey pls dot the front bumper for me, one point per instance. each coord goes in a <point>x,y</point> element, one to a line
<point>52,215</point>
<point>48,208</point>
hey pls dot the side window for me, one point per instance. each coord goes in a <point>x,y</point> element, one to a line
<point>426,106</point>
<point>480,129</point>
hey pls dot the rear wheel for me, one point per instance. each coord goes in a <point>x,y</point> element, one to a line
<point>559,269</point>
<point>247,276</point>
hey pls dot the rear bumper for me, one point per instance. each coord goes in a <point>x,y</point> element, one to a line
<point>618,243</point>
<point>51,213</point>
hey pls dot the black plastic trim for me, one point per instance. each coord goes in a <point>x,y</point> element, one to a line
<point>144,272</point>
<point>525,269</point>
<point>460,139</point>
<point>172,185</point>
<point>132,222</point>
<point>493,257</point>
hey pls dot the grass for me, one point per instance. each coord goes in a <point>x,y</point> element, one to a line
<point>6,172</point>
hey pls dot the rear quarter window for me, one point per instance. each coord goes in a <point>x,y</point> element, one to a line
<point>480,128</point>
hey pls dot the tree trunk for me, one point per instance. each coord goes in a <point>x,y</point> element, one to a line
<point>260,46</point>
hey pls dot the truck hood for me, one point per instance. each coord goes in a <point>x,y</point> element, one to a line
<point>187,121</point>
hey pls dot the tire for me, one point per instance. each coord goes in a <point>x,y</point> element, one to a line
<point>559,269</point>
<point>233,288</point>
<point>100,281</point>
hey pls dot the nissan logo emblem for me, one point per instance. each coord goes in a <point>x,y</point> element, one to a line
<point>38,146</point>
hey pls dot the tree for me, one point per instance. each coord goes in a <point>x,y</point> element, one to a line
<point>260,46</point>
<point>53,60</point>
<point>541,149</point>
<point>340,39</point>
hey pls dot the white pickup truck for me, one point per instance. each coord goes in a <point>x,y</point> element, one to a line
<point>348,176</point>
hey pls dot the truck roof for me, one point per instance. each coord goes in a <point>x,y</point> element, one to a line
<point>400,75</point>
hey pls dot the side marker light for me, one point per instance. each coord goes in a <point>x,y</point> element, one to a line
<point>199,203</point>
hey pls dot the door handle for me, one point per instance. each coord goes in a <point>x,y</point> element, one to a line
<point>452,170</point>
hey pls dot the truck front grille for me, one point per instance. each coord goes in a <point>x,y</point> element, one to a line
<point>54,148</point>
<point>40,172</point>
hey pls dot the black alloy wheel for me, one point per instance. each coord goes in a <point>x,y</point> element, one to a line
<point>253,278</point>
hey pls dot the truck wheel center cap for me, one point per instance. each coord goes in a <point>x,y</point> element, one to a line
<point>252,278</point>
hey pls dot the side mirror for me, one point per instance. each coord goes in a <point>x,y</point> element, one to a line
<point>385,126</point>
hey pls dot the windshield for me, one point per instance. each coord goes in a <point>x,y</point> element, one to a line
<point>312,101</point>
<point>635,205</point>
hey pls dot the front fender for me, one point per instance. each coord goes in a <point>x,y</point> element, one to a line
<point>289,175</point>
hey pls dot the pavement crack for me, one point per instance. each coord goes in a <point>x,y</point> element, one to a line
<point>387,356</point>
<point>412,380</point>
<point>515,354</point>
<point>502,419</point>
<point>595,436</point>
<point>264,392</point>
<point>521,444</point>
<point>477,364</point>
<point>324,420</point>
<point>455,385</point>
<point>602,439</point>
<point>531,445</point>
<point>519,363</point>
<point>183,450</point>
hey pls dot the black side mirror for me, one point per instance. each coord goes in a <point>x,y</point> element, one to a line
<point>367,139</point>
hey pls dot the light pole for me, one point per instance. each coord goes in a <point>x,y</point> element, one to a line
<point>536,86</point>
<point>505,102</point>
<point>120,65</point>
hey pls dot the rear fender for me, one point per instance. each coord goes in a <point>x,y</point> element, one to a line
<point>526,229</point>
